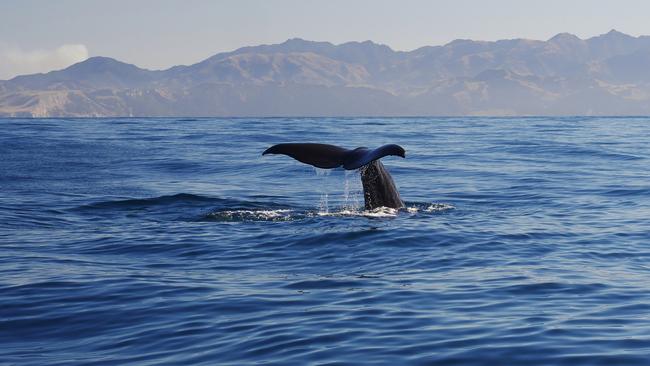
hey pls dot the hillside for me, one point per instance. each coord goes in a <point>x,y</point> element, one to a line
<point>565,75</point>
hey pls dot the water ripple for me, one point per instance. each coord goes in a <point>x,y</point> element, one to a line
<point>172,241</point>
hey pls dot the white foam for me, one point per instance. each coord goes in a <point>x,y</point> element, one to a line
<point>381,212</point>
<point>433,207</point>
<point>345,211</point>
<point>378,212</point>
<point>252,215</point>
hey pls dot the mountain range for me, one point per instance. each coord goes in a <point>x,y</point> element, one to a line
<point>604,75</point>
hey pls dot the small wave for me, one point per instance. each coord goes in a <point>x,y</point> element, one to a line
<point>185,206</point>
<point>149,202</point>
<point>628,191</point>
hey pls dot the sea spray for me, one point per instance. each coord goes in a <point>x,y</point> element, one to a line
<point>323,205</point>
<point>352,191</point>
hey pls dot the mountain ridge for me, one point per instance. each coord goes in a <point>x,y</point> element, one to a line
<point>607,74</point>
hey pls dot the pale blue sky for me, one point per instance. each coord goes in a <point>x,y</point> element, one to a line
<point>46,34</point>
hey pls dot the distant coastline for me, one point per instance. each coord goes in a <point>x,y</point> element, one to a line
<point>389,117</point>
<point>606,75</point>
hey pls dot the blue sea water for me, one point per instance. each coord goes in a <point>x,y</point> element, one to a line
<point>526,241</point>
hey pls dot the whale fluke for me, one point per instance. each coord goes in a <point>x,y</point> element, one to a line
<point>330,156</point>
<point>378,186</point>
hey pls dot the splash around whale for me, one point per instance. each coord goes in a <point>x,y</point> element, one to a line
<point>378,186</point>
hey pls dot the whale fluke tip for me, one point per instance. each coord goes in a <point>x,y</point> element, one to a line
<point>396,150</point>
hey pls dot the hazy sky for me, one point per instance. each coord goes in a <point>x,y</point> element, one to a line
<point>38,36</point>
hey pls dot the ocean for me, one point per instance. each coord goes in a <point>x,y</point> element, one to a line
<point>162,241</point>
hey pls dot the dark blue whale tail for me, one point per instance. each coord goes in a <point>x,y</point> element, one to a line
<point>329,156</point>
<point>378,187</point>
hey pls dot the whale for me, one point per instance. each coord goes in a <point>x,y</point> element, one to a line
<point>379,189</point>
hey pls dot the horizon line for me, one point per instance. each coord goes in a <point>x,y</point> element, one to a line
<point>348,117</point>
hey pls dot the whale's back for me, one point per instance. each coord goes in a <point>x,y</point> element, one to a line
<point>378,187</point>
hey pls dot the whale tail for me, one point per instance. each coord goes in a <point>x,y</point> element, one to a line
<point>378,187</point>
<point>329,156</point>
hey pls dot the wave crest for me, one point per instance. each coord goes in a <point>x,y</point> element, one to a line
<point>190,207</point>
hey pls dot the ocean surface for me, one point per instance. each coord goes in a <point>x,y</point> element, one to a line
<point>526,241</point>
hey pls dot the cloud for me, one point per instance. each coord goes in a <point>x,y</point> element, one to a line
<point>15,61</point>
